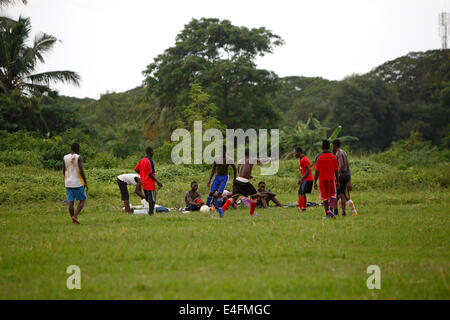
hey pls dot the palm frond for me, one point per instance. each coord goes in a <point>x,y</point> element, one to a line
<point>42,43</point>
<point>32,88</point>
<point>46,78</point>
<point>4,3</point>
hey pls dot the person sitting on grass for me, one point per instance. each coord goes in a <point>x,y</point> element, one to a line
<point>266,196</point>
<point>193,199</point>
<point>124,181</point>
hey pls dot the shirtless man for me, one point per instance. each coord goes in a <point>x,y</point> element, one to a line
<point>266,196</point>
<point>345,181</point>
<point>220,164</point>
<point>242,185</point>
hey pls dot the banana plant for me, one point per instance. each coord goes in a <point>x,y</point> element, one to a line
<point>309,136</point>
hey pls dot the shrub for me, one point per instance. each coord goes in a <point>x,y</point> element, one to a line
<point>15,157</point>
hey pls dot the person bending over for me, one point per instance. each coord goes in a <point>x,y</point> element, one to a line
<point>123,181</point>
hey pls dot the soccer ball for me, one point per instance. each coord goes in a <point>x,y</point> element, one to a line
<point>204,208</point>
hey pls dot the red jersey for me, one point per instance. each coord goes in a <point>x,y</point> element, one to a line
<point>145,167</point>
<point>304,163</point>
<point>326,164</point>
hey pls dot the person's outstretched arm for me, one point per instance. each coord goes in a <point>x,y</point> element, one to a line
<point>316,176</point>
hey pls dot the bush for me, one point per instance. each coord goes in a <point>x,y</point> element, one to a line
<point>104,160</point>
<point>14,158</point>
<point>412,152</point>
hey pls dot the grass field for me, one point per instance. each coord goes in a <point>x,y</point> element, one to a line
<point>278,255</point>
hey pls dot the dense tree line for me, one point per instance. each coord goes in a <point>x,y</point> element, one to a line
<point>210,74</point>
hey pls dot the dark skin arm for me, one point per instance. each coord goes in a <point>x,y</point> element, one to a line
<point>192,201</point>
<point>336,176</point>
<point>152,176</point>
<point>349,184</point>
<point>234,171</point>
<point>200,203</point>
<point>308,170</point>
<point>80,165</point>
<point>64,168</point>
<point>316,176</point>
<point>138,189</point>
<point>213,171</point>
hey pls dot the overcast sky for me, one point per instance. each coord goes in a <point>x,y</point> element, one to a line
<point>110,42</point>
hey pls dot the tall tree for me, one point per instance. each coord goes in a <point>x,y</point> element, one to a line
<point>367,108</point>
<point>18,61</point>
<point>221,58</point>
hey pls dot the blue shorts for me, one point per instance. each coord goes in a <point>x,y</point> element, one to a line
<point>75,193</point>
<point>219,183</point>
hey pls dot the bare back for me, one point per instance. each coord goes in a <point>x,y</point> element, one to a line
<point>342,159</point>
<point>222,165</point>
<point>245,167</point>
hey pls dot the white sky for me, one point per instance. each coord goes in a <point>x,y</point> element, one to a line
<point>110,42</point>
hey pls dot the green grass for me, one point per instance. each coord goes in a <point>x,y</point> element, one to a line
<point>278,255</point>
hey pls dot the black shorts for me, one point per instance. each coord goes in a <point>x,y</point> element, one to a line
<point>150,196</point>
<point>243,188</point>
<point>344,178</point>
<point>123,190</point>
<point>305,187</point>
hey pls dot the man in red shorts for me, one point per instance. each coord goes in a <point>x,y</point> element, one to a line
<point>326,166</point>
<point>306,181</point>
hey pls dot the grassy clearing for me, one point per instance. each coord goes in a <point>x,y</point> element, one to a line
<point>278,255</point>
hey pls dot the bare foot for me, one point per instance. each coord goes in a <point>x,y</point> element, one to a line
<point>75,220</point>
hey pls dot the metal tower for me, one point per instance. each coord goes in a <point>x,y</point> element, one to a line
<point>444,28</point>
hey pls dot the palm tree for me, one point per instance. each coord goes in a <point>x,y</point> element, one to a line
<point>4,3</point>
<point>18,60</point>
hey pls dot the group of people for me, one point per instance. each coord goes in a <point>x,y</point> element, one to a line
<point>332,171</point>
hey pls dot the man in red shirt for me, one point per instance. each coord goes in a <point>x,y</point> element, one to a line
<point>146,168</point>
<point>327,167</point>
<point>306,181</point>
